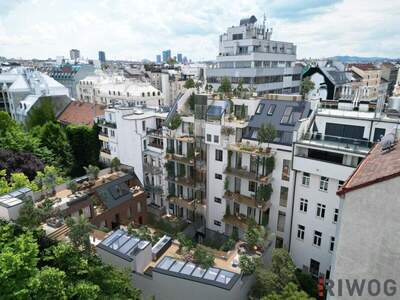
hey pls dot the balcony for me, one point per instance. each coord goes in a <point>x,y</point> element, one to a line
<point>149,168</point>
<point>156,209</point>
<point>103,137</point>
<point>185,138</point>
<point>182,202</point>
<point>250,149</point>
<point>336,142</point>
<point>180,158</point>
<point>238,220</point>
<point>157,133</point>
<point>104,122</point>
<point>153,188</point>
<point>246,174</point>
<point>247,200</point>
<point>182,180</point>
<point>156,145</point>
<point>105,150</point>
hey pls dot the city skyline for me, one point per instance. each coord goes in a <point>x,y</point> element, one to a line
<point>312,25</point>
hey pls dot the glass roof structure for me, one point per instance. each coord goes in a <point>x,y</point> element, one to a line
<point>122,244</point>
<point>188,270</point>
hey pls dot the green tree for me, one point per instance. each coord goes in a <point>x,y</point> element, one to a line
<point>264,192</point>
<point>254,235</point>
<point>48,179</point>
<point>53,137</point>
<point>115,164</point>
<point>175,122</point>
<point>185,243</point>
<point>248,264</point>
<point>307,283</point>
<point>40,115</point>
<point>48,284</point>
<point>266,134</point>
<point>79,233</point>
<point>85,146</point>
<point>225,86</point>
<point>290,292</point>
<point>72,186</point>
<point>203,258</point>
<point>92,171</point>
<point>189,84</point>
<point>191,102</point>
<point>280,273</point>
<point>306,86</point>
<point>29,215</point>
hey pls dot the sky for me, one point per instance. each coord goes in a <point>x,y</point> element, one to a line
<point>137,29</point>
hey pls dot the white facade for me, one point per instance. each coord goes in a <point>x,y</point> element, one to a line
<point>321,164</point>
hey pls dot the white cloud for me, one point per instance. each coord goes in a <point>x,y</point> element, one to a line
<point>139,29</point>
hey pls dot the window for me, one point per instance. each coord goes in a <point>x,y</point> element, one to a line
<point>208,137</point>
<point>286,115</point>
<point>139,207</point>
<point>218,176</point>
<point>281,221</point>
<point>218,155</point>
<point>321,210</point>
<point>144,125</point>
<point>300,232</point>
<point>251,212</point>
<point>216,139</point>
<point>252,186</point>
<point>336,215</point>
<point>283,196</point>
<point>306,179</point>
<point>279,242</point>
<point>271,110</point>
<point>112,133</point>
<point>217,223</point>
<point>323,184</point>
<point>332,244</point>
<point>260,108</point>
<point>341,182</point>
<point>317,238</point>
<point>217,200</point>
<point>286,170</point>
<point>303,204</point>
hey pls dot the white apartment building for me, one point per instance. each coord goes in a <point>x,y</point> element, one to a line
<point>104,89</point>
<point>22,89</point>
<point>248,55</point>
<point>327,148</point>
<point>169,82</point>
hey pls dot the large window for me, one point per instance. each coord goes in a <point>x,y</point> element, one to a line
<point>283,196</point>
<point>303,205</point>
<point>321,210</point>
<point>305,179</point>
<point>286,170</point>
<point>281,221</point>
<point>323,184</point>
<point>317,238</point>
<point>300,232</point>
<point>218,155</point>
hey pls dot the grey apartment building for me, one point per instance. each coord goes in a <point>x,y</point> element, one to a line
<point>248,55</point>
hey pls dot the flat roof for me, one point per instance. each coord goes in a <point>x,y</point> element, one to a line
<point>187,270</point>
<point>14,198</point>
<point>122,244</point>
<point>377,166</point>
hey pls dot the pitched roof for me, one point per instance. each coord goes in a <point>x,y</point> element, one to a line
<point>273,112</point>
<point>377,166</point>
<point>81,113</point>
<point>365,67</point>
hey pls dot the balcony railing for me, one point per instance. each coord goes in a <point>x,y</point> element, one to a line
<point>105,150</point>
<point>155,132</point>
<point>336,142</point>
<point>149,168</point>
<point>247,200</point>
<point>156,209</point>
<point>246,174</point>
<point>153,188</point>
<point>156,145</point>
<point>181,159</point>
<point>238,220</point>
<point>250,149</point>
<point>104,122</point>
<point>182,180</point>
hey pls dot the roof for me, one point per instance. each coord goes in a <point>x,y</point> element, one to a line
<point>121,244</point>
<point>14,198</point>
<point>115,192</point>
<point>377,166</point>
<point>81,113</point>
<point>334,75</point>
<point>273,111</point>
<point>187,270</point>
<point>365,67</point>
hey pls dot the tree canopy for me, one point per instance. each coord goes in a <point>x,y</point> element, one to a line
<point>306,86</point>
<point>266,133</point>
<point>290,292</point>
<point>40,115</point>
<point>31,268</point>
<point>189,84</point>
<point>225,86</point>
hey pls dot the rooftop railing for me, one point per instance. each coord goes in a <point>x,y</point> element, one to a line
<point>336,142</point>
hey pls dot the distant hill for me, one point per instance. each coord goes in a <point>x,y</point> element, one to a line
<point>362,59</point>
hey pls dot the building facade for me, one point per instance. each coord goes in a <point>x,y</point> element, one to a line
<point>247,55</point>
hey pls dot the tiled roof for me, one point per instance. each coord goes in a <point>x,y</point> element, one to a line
<point>377,166</point>
<point>365,67</point>
<point>80,113</point>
